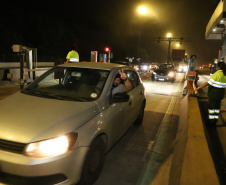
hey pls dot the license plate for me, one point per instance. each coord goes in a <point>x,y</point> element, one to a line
<point>161,79</point>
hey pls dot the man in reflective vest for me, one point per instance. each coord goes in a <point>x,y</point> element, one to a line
<point>72,56</point>
<point>216,86</point>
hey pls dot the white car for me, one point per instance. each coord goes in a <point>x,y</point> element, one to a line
<point>58,129</point>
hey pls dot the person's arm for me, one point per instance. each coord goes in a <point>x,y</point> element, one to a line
<point>67,61</point>
<point>201,86</point>
<point>127,85</point>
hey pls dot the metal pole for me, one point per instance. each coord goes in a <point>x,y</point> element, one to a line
<point>138,45</point>
<point>169,59</point>
<point>109,57</point>
<point>21,70</point>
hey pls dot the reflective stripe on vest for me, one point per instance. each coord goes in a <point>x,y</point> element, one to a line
<point>216,84</point>
<point>211,111</point>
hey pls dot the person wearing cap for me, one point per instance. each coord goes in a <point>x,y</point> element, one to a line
<point>118,87</point>
<point>216,86</point>
<point>73,55</point>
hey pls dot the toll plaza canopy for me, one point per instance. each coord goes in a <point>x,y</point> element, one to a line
<point>216,26</point>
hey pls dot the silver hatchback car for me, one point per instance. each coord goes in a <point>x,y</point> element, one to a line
<point>58,129</point>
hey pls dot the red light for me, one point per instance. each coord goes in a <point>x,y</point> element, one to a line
<point>106,49</point>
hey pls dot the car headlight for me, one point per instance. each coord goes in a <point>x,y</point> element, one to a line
<point>154,73</point>
<point>171,74</point>
<point>51,147</point>
<point>145,67</point>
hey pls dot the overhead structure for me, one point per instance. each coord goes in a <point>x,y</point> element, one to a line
<point>170,39</point>
<point>215,29</point>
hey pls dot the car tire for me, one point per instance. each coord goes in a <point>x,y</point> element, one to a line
<point>140,117</point>
<point>93,163</point>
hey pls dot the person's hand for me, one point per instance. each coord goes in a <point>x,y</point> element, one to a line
<point>123,75</point>
<point>196,89</point>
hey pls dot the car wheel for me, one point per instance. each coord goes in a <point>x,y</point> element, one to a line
<point>93,163</point>
<point>140,117</point>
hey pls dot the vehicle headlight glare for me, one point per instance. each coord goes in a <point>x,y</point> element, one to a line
<point>50,147</point>
<point>171,74</point>
<point>154,72</point>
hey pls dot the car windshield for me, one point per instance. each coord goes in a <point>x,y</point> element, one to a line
<point>164,66</point>
<point>67,83</point>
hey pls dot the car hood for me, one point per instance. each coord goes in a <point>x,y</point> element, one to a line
<point>162,71</point>
<point>25,118</point>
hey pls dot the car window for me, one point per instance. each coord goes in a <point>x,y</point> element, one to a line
<point>133,77</point>
<point>69,83</point>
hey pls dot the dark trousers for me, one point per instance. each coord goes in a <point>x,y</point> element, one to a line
<point>215,95</point>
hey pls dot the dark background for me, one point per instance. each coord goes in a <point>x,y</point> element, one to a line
<point>52,27</point>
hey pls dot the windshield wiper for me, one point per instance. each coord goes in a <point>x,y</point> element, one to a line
<point>62,97</point>
<point>52,95</point>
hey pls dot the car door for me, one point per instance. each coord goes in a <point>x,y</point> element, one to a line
<point>136,96</point>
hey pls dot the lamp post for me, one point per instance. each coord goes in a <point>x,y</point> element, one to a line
<point>142,10</point>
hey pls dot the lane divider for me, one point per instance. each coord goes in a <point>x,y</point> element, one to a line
<point>151,167</point>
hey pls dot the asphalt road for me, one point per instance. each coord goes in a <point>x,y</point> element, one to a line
<point>143,155</point>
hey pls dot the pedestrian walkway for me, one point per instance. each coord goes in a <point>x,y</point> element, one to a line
<point>216,136</point>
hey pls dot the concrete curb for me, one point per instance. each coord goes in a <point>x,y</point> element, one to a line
<point>197,165</point>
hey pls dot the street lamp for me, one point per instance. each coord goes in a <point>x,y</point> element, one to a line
<point>142,10</point>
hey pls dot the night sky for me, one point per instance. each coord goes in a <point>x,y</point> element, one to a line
<point>94,24</point>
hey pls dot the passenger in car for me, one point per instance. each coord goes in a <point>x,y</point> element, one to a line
<point>118,87</point>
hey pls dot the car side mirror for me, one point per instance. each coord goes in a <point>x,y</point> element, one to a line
<point>120,97</point>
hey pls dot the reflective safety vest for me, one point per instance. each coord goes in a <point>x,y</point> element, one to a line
<point>218,79</point>
<point>217,83</point>
<point>73,56</point>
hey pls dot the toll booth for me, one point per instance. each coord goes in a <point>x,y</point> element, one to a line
<point>103,57</point>
<point>94,56</point>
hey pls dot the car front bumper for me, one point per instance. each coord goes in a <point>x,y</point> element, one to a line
<point>163,78</point>
<point>63,169</point>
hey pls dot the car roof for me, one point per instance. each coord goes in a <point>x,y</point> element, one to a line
<point>93,65</point>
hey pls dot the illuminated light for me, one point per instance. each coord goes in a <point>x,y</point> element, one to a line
<point>221,21</point>
<point>51,147</point>
<point>31,147</point>
<point>214,29</point>
<point>106,49</point>
<point>56,146</point>
<point>169,35</point>
<point>171,74</point>
<point>142,10</point>
<point>92,122</point>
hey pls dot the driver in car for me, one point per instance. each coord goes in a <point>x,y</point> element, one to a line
<point>118,87</point>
